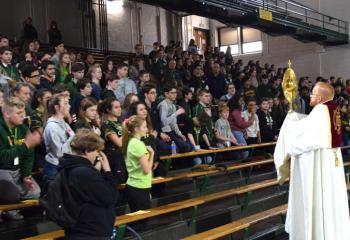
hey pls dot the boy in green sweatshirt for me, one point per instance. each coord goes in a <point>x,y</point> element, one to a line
<point>17,156</point>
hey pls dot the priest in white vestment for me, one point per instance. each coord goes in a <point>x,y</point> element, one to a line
<point>307,151</point>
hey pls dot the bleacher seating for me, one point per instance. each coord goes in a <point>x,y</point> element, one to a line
<point>178,206</point>
<point>215,233</point>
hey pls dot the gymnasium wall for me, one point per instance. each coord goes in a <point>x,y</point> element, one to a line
<point>65,12</point>
<point>311,59</point>
<point>126,24</point>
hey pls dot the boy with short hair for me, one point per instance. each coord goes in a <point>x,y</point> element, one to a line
<point>59,49</point>
<point>4,41</point>
<point>223,132</point>
<point>17,156</point>
<point>9,74</point>
<point>31,76</point>
<point>78,74</point>
<point>47,80</point>
<point>203,108</point>
<point>168,118</point>
<point>95,73</point>
<point>125,84</point>
<point>253,131</point>
<point>112,85</point>
<point>144,77</point>
<point>85,90</point>
<point>149,98</point>
<point>266,122</point>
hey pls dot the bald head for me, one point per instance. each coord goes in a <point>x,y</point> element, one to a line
<point>322,92</point>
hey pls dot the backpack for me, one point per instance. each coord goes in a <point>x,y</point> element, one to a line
<point>58,201</point>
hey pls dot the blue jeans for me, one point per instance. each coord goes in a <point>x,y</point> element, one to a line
<point>49,171</point>
<point>163,147</point>
<point>241,140</point>
<point>181,145</point>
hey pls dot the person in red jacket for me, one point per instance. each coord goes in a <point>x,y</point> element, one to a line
<point>237,122</point>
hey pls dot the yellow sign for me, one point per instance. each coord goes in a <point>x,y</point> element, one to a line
<point>264,14</point>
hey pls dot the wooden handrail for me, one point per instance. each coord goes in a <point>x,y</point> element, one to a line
<point>227,149</point>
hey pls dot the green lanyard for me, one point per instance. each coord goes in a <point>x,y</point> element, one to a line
<point>12,140</point>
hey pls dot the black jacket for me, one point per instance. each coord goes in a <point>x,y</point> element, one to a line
<point>267,126</point>
<point>97,194</point>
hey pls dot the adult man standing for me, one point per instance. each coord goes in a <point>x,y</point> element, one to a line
<point>318,202</point>
<point>216,82</point>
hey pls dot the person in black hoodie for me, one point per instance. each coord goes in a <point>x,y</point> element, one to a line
<point>266,122</point>
<point>92,187</point>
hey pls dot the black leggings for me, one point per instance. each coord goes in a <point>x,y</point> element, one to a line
<point>138,198</point>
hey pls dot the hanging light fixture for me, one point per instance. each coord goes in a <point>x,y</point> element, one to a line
<point>115,6</point>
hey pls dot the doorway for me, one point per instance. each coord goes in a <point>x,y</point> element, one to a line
<point>201,39</point>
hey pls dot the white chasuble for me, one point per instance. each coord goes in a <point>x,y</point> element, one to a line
<point>318,202</point>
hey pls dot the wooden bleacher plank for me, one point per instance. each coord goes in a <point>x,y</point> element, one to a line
<point>248,164</point>
<point>256,186</point>
<point>47,236</point>
<point>238,191</point>
<point>172,207</point>
<point>238,225</point>
<point>206,152</point>
<point>20,205</point>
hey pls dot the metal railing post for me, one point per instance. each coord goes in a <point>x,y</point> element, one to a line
<point>322,20</point>
<point>306,15</point>
<point>286,8</point>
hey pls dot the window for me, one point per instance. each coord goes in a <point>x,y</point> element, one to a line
<point>234,49</point>
<point>252,47</point>
<point>241,41</point>
<point>229,37</point>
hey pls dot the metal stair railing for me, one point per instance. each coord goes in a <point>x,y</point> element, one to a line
<point>285,9</point>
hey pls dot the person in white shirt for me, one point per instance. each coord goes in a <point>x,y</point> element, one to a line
<point>253,131</point>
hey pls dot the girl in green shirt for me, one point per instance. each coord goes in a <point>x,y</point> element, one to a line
<point>139,163</point>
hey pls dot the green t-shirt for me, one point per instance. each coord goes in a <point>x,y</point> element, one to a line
<point>136,177</point>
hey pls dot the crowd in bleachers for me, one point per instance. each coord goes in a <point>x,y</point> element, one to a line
<point>168,101</point>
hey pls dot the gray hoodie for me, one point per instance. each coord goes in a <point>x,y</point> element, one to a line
<point>57,140</point>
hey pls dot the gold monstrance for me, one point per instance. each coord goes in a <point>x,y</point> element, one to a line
<point>290,86</point>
